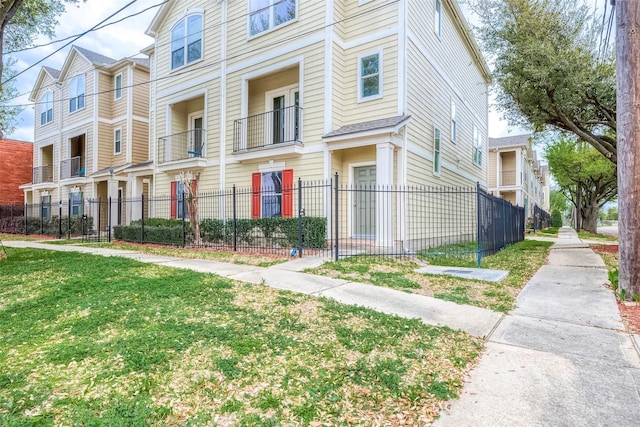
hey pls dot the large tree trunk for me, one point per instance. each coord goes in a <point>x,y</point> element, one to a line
<point>628,132</point>
<point>590,218</point>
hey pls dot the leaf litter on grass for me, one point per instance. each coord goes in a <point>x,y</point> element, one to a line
<point>125,343</point>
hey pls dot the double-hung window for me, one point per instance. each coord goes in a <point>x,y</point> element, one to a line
<point>477,146</point>
<point>369,76</point>
<point>454,123</point>
<point>118,86</point>
<point>46,108</point>
<point>437,18</point>
<point>117,141</point>
<point>76,94</point>
<point>436,151</point>
<point>186,41</point>
<point>272,194</point>
<point>265,15</point>
<point>75,200</point>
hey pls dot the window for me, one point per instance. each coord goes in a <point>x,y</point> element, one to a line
<point>46,108</point>
<point>437,18</point>
<point>179,207</point>
<point>75,200</point>
<point>477,147</point>
<point>272,194</point>
<point>118,86</point>
<point>76,94</point>
<point>45,206</point>
<point>369,77</point>
<point>186,41</point>
<point>265,15</point>
<point>436,151</point>
<point>454,124</point>
<point>117,141</point>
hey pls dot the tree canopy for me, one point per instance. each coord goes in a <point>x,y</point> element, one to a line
<point>585,177</point>
<point>547,70</point>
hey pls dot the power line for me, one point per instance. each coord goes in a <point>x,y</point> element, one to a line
<point>67,44</point>
<point>88,31</point>
<point>208,65</point>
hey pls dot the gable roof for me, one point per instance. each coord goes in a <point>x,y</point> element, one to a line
<point>159,18</point>
<point>510,141</point>
<point>44,71</point>
<point>390,123</point>
<point>94,57</point>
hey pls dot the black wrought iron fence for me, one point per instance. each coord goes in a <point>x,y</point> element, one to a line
<point>322,218</point>
<point>541,218</point>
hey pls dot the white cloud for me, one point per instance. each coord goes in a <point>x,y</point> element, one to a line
<point>117,41</point>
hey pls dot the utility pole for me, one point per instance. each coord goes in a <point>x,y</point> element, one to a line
<point>628,134</point>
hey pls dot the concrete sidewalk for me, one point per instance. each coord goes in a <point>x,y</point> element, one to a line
<point>561,358</point>
<point>476,321</point>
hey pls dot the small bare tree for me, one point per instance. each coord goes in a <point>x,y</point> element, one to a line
<point>189,182</point>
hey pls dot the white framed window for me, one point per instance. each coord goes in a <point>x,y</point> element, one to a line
<point>46,108</point>
<point>266,15</point>
<point>437,18</point>
<point>436,151</point>
<point>284,115</point>
<point>186,41</point>
<point>117,83</point>
<point>370,76</point>
<point>454,123</point>
<point>477,146</point>
<point>75,199</point>
<point>76,93</point>
<point>117,141</point>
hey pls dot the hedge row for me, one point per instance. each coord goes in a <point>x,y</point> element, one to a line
<point>275,232</point>
<point>47,226</point>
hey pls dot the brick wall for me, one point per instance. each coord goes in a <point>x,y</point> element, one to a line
<point>16,164</point>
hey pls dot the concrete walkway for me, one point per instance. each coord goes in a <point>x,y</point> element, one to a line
<point>561,358</point>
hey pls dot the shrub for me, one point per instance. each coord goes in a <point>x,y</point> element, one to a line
<point>276,232</point>
<point>556,218</point>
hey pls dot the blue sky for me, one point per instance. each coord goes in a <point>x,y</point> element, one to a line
<point>120,40</point>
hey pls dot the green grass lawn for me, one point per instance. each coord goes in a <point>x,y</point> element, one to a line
<point>257,259</point>
<point>591,236</point>
<point>88,340</point>
<point>522,260</point>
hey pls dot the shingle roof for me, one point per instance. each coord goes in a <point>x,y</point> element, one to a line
<point>52,72</point>
<point>509,141</point>
<point>368,126</point>
<point>95,58</point>
<point>141,61</point>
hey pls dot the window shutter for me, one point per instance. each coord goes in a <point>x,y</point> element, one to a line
<point>287,193</point>
<point>256,183</point>
<point>174,198</point>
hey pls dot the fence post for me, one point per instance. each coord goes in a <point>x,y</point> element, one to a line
<point>60,219</point>
<point>26,216</point>
<point>184,225</point>
<point>234,221</point>
<point>300,215</point>
<point>336,211</point>
<point>108,218</point>
<point>69,218</point>
<point>142,219</point>
<point>479,216</point>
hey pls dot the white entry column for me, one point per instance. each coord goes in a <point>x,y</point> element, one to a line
<point>384,199</point>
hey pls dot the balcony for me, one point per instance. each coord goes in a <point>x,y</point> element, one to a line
<point>182,150</point>
<point>42,174</point>
<point>279,131</point>
<point>72,168</point>
<point>508,178</point>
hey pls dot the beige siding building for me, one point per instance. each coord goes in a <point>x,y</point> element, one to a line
<point>91,133</point>
<point>382,93</point>
<point>516,174</point>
